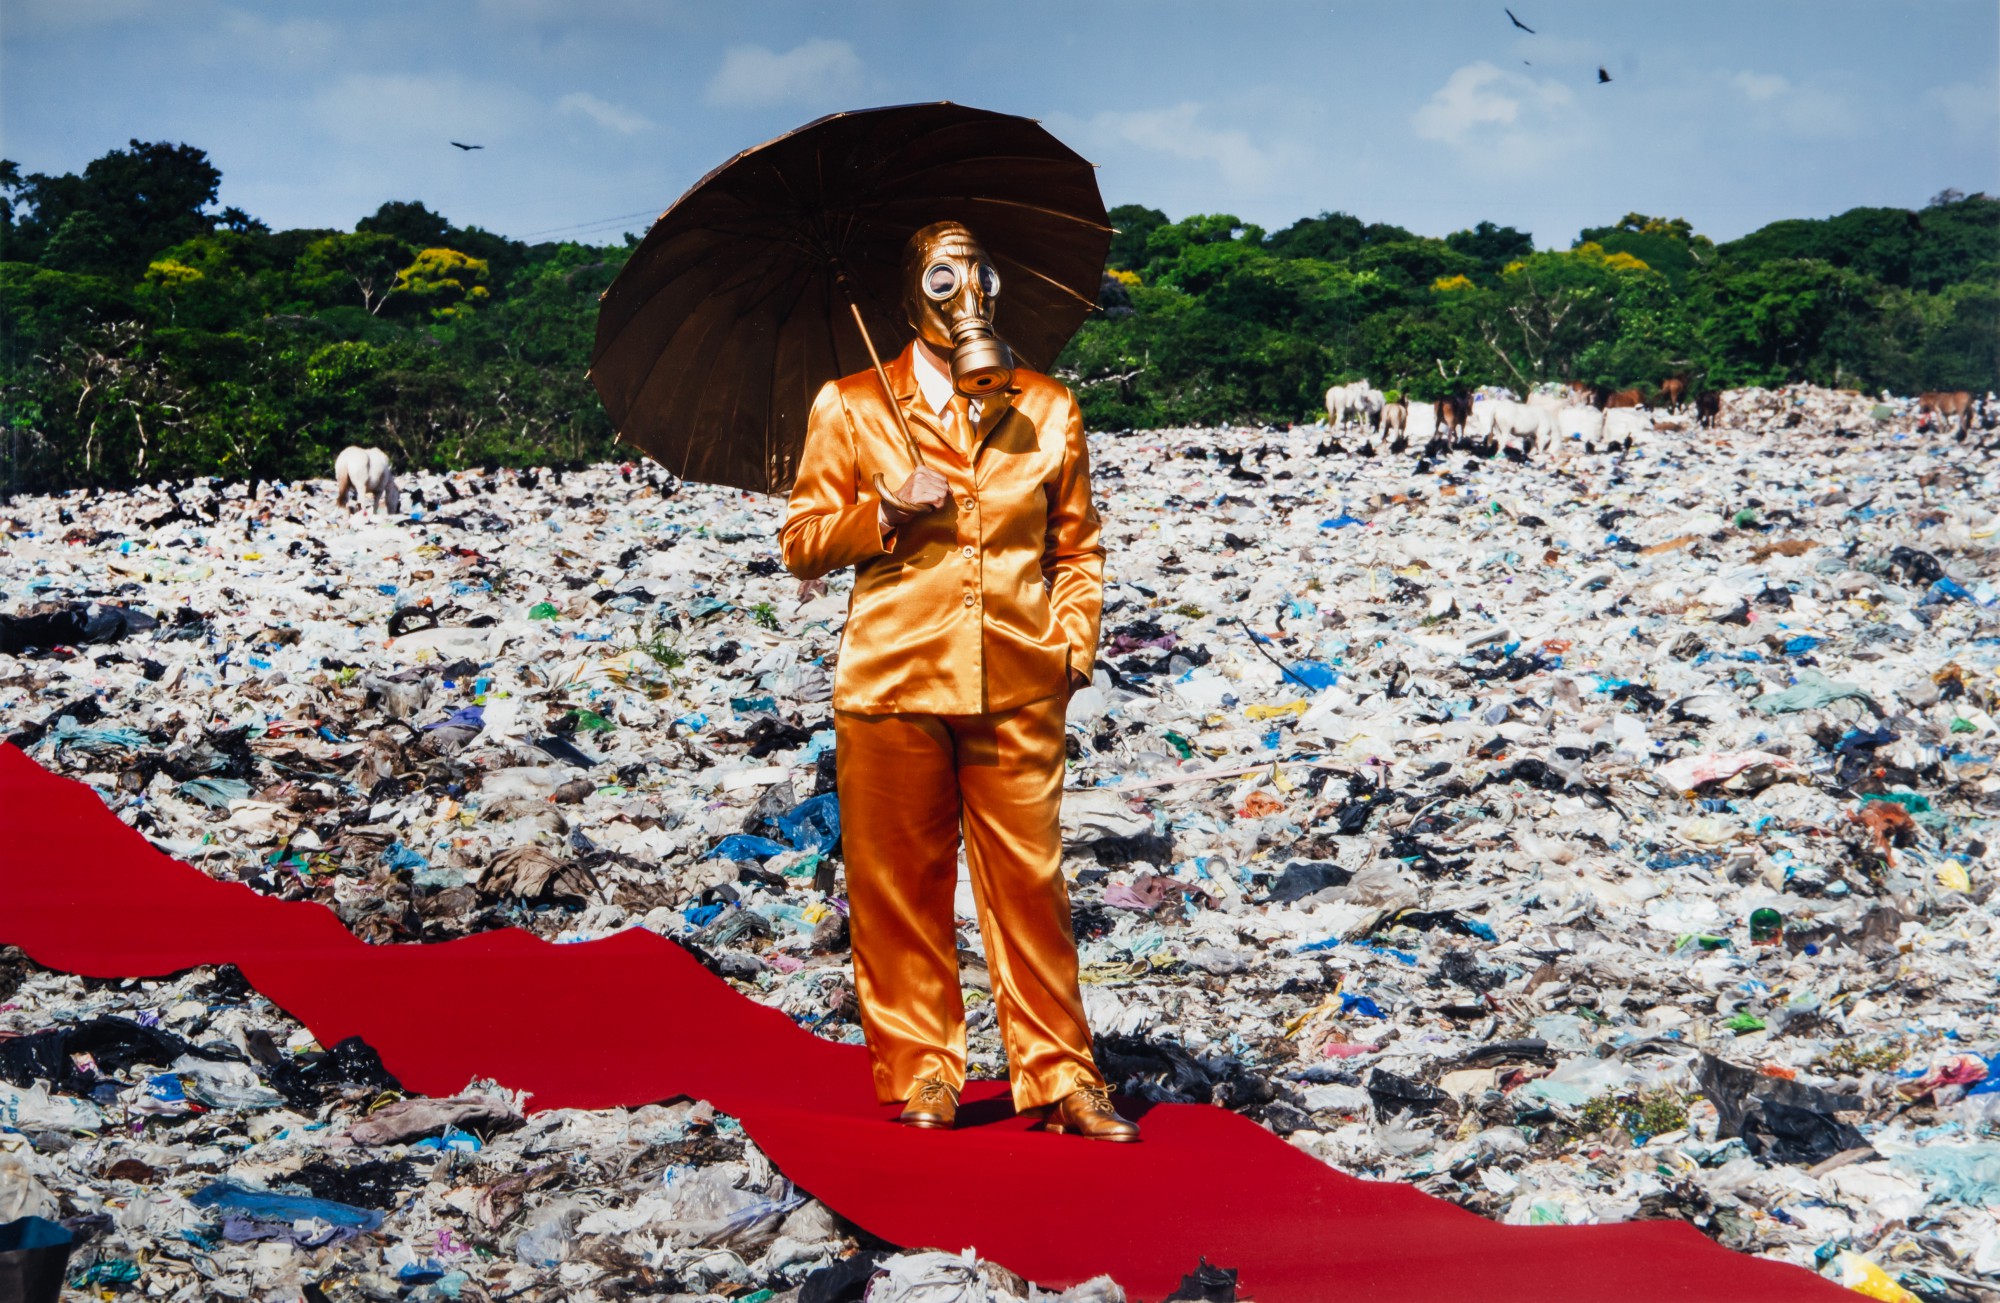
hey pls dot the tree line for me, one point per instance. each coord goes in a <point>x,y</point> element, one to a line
<point>147,333</point>
<point>1210,319</point>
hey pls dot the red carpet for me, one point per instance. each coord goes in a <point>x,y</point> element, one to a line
<point>632,1019</point>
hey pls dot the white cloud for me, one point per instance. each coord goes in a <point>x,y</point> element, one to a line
<point>1501,122</point>
<point>752,76</point>
<point>1970,107</point>
<point>1480,95</point>
<point>609,116</point>
<point>1816,109</point>
<point>1179,133</point>
<point>1760,86</point>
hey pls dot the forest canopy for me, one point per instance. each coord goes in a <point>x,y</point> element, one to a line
<point>146,332</point>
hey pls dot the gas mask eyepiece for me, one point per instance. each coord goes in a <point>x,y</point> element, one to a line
<point>951,292</point>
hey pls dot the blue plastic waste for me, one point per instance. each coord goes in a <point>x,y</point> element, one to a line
<point>1316,674</point>
<point>813,824</point>
<point>264,1206</point>
<point>404,860</point>
<point>743,846</point>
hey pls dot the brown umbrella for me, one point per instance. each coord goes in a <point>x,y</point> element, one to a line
<point>772,274</point>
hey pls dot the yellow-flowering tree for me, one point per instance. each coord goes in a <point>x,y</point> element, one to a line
<point>444,281</point>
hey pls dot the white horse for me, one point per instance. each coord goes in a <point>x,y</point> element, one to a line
<point>1344,399</point>
<point>359,471</point>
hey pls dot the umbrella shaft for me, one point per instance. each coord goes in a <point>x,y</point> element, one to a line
<point>902,423</point>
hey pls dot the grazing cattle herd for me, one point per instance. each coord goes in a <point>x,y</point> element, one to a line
<point>1558,422</point>
<point>1562,420</point>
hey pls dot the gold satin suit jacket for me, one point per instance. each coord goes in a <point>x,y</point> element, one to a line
<point>982,606</point>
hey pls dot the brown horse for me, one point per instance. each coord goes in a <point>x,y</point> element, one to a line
<point>1950,405</point>
<point>1454,410</point>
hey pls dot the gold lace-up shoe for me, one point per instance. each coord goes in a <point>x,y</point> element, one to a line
<point>933,1105</point>
<point>1088,1113</point>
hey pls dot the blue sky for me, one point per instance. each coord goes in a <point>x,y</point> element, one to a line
<point>595,114</point>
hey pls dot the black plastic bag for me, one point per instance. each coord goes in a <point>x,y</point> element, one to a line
<point>34,1253</point>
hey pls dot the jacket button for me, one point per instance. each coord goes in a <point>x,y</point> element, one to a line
<point>967,549</point>
<point>968,504</point>
<point>968,599</point>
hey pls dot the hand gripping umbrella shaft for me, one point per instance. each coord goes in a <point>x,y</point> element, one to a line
<point>902,423</point>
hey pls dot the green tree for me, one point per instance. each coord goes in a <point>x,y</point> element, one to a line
<point>1492,247</point>
<point>1132,223</point>
<point>362,266</point>
<point>1782,321</point>
<point>118,213</point>
<point>409,221</point>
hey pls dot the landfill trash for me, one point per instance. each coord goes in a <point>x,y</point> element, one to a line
<point>1433,818</point>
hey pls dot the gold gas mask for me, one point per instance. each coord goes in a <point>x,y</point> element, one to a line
<point>949,291</point>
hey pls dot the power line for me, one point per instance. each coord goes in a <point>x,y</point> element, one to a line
<point>592,225</point>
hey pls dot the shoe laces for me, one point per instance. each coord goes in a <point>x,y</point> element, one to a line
<point>1097,1098</point>
<point>930,1091</point>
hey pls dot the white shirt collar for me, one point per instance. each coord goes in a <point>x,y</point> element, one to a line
<point>933,381</point>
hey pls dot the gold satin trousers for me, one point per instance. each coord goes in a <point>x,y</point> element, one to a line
<point>910,785</point>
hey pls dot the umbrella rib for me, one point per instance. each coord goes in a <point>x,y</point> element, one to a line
<point>736,400</point>
<point>1042,275</point>
<point>995,200</point>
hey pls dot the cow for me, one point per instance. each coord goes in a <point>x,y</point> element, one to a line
<point>1708,408</point>
<point>1582,395</point>
<point>1511,424</point>
<point>359,471</point>
<point>1554,402</point>
<point>1343,399</point>
<point>1578,427</point>
<point>1582,422</point>
<point>1420,421</point>
<point>1672,390</point>
<point>1622,398</point>
<point>1625,422</point>
<point>1395,416</point>
<point>1950,405</point>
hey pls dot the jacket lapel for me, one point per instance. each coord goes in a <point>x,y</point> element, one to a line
<point>925,425</point>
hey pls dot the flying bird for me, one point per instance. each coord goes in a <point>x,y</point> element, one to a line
<point>1602,76</point>
<point>468,146</point>
<point>1517,22</point>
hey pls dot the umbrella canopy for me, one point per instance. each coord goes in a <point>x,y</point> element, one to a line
<point>732,312</point>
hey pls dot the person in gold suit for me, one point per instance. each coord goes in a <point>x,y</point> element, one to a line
<point>977,588</point>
